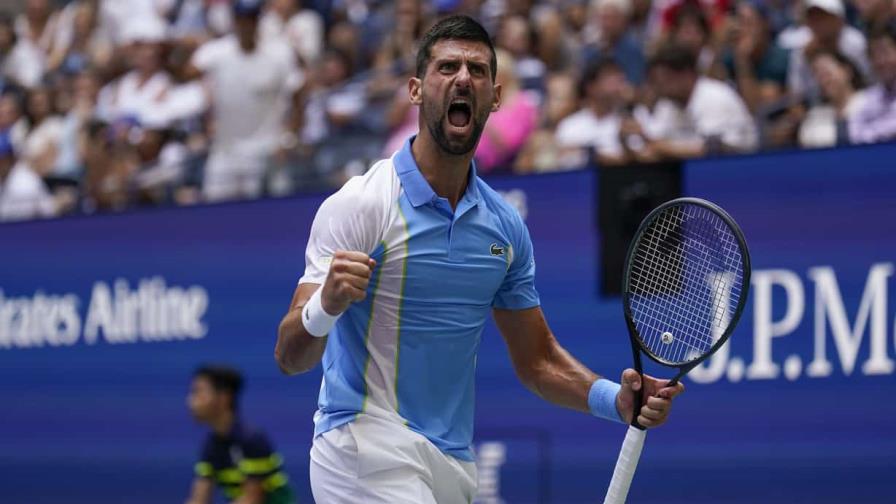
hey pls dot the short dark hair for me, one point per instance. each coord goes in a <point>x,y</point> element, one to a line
<point>857,81</point>
<point>675,57</point>
<point>886,31</point>
<point>223,379</point>
<point>454,28</point>
<point>597,68</point>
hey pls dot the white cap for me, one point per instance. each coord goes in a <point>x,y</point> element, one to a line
<point>834,7</point>
<point>149,29</point>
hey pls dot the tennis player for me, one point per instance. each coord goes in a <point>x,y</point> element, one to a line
<point>402,268</point>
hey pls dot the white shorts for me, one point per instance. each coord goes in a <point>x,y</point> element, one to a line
<point>376,461</point>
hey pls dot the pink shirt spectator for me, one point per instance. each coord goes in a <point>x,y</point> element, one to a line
<point>506,132</point>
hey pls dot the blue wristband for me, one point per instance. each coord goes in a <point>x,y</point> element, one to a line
<point>602,400</point>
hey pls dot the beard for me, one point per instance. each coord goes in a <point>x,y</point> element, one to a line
<point>435,119</point>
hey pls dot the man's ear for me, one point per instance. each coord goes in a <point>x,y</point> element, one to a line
<point>415,90</point>
<point>496,104</point>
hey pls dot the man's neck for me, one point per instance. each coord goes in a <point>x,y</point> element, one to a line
<point>447,174</point>
<point>223,424</point>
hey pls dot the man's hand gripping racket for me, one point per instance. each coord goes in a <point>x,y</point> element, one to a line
<point>685,286</point>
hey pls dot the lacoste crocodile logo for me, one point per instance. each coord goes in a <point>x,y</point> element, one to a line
<point>496,250</point>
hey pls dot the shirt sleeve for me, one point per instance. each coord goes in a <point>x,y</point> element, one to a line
<point>517,292</point>
<point>350,220</point>
<point>259,458</point>
<point>204,468</point>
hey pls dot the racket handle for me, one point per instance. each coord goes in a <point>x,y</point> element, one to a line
<point>625,466</point>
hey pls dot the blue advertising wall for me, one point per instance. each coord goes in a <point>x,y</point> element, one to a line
<point>103,318</point>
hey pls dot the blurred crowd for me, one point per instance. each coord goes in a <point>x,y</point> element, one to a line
<point>112,104</point>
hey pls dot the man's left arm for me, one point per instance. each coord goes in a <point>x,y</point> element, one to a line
<point>552,373</point>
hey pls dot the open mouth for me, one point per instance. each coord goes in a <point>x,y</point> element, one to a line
<point>459,114</point>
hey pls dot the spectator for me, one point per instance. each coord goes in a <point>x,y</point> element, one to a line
<point>70,160</point>
<point>694,116</point>
<point>541,153</point>
<point>873,15</point>
<point>12,122</point>
<point>875,120</point>
<point>395,59</point>
<point>302,28</point>
<point>253,84</point>
<point>840,82</point>
<point>140,91</point>
<point>605,92</point>
<point>38,24</point>
<point>611,38</point>
<point>41,145</point>
<point>755,62</point>
<point>21,63</point>
<point>555,46</point>
<point>510,126</point>
<point>518,38</point>
<point>23,194</point>
<point>825,30</point>
<point>691,29</point>
<point>80,44</point>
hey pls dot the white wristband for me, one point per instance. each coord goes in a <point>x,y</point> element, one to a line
<point>315,319</point>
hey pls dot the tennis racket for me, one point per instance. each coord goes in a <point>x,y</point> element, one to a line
<point>685,286</point>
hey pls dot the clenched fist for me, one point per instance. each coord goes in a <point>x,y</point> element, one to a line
<point>346,281</point>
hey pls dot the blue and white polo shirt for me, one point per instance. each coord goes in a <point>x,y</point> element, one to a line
<point>407,353</point>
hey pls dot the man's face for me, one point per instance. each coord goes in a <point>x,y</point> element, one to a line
<point>204,401</point>
<point>456,94</point>
<point>610,87</point>
<point>824,25</point>
<point>675,85</point>
<point>883,60</point>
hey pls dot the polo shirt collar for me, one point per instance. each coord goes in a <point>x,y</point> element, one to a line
<point>415,185</point>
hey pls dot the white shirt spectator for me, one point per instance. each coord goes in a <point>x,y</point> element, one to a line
<point>116,15</point>
<point>715,111</point>
<point>820,126</point>
<point>127,97</point>
<point>851,44</point>
<point>47,133</point>
<point>250,96</point>
<point>23,195</point>
<point>24,64</point>
<point>304,32</point>
<point>250,92</point>
<point>584,129</point>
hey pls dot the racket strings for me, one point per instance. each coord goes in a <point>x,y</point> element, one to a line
<point>686,278</point>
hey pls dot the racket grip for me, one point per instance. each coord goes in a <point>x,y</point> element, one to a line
<point>625,466</point>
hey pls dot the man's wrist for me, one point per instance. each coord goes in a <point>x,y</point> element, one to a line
<point>602,400</point>
<point>315,319</point>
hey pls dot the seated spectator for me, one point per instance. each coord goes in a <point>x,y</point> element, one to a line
<point>825,30</point>
<point>509,127</point>
<point>873,15</point>
<point>12,121</point>
<point>694,116</point>
<point>754,61</point>
<point>875,121</point>
<point>23,194</point>
<point>611,38</point>
<point>517,37</point>
<point>605,93</point>
<point>840,82</point>
<point>79,43</point>
<point>21,62</point>
<point>554,44</point>
<point>38,23</point>
<point>541,153</point>
<point>41,145</point>
<point>144,87</point>
<point>253,82</point>
<point>690,28</point>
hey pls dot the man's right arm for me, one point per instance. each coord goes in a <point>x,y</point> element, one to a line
<point>297,350</point>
